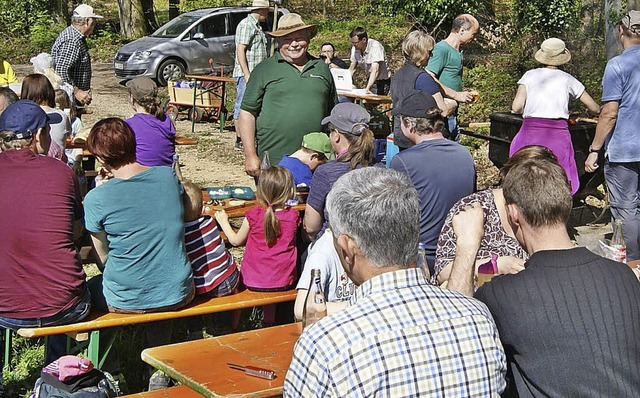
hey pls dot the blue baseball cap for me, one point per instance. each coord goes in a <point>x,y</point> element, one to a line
<point>25,117</point>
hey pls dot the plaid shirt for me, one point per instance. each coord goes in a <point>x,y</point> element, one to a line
<point>249,32</point>
<point>71,56</point>
<point>401,337</point>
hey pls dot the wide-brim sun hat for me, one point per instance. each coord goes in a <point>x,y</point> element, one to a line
<point>553,52</point>
<point>260,5</point>
<point>290,23</point>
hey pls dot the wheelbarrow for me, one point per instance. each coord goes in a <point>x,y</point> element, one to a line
<point>505,125</point>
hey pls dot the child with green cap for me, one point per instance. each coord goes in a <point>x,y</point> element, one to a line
<point>314,151</point>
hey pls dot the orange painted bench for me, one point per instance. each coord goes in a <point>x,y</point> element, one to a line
<point>177,392</point>
<point>89,328</point>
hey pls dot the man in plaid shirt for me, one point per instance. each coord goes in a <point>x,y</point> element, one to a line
<point>71,53</point>
<point>251,49</point>
<point>400,336</point>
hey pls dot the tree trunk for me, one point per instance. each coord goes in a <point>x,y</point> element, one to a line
<point>60,11</point>
<point>174,11</point>
<point>135,17</point>
<point>611,42</point>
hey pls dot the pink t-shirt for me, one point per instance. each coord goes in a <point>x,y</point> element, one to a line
<point>270,267</point>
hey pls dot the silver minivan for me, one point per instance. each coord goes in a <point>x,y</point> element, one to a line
<point>185,44</point>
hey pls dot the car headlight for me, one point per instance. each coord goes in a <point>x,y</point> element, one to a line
<point>141,55</point>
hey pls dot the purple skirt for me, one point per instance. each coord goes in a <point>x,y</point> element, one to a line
<point>553,134</point>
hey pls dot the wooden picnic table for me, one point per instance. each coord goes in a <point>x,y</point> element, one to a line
<point>360,96</point>
<point>202,364</point>
<point>234,207</point>
<point>70,144</point>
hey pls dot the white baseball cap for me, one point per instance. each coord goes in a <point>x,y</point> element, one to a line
<point>85,11</point>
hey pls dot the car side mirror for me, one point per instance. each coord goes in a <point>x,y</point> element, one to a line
<point>198,36</point>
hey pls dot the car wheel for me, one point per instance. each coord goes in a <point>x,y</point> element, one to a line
<point>171,69</point>
<point>196,114</point>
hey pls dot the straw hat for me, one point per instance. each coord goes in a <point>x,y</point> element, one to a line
<point>290,23</point>
<point>260,4</point>
<point>553,52</point>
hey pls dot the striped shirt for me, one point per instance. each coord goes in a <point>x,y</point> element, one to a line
<point>249,32</point>
<point>211,262</point>
<point>70,53</point>
<point>400,337</point>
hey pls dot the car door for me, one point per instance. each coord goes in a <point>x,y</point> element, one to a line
<point>209,38</point>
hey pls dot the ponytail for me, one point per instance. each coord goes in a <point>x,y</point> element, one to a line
<point>271,226</point>
<point>275,187</point>
<point>360,150</point>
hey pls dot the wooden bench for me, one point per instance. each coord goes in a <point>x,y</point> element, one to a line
<point>87,332</point>
<point>177,392</point>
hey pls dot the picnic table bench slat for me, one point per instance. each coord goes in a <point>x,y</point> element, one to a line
<point>100,320</point>
<point>177,391</point>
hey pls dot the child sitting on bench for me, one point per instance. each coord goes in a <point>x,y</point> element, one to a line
<point>215,272</point>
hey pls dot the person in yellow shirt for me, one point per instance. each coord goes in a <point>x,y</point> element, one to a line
<point>7,76</point>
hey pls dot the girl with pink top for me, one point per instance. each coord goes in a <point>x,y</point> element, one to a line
<point>269,231</point>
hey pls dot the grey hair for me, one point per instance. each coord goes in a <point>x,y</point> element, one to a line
<point>377,208</point>
<point>77,20</point>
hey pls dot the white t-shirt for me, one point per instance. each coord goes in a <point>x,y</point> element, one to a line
<point>323,256</point>
<point>60,131</point>
<point>373,53</point>
<point>548,93</point>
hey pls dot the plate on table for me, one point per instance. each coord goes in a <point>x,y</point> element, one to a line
<point>216,193</point>
<point>245,193</point>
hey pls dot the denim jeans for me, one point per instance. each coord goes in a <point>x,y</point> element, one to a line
<point>58,343</point>
<point>623,183</point>
<point>454,129</point>
<point>241,84</point>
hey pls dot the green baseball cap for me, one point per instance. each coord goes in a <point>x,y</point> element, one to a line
<point>318,142</point>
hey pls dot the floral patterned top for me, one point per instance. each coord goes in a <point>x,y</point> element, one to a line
<point>495,239</point>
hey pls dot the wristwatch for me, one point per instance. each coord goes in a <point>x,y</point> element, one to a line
<point>593,150</point>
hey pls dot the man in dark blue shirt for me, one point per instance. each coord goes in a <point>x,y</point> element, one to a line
<point>428,164</point>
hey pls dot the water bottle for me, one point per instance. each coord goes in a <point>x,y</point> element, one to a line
<point>421,261</point>
<point>315,306</point>
<point>176,166</point>
<point>617,243</point>
<point>265,164</point>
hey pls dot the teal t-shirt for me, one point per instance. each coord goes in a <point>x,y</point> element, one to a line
<point>446,63</point>
<point>288,103</point>
<point>147,266</point>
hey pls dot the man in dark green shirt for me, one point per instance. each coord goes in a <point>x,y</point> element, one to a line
<point>287,96</point>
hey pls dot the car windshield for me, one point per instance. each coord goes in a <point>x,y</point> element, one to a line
<point>176,26</point>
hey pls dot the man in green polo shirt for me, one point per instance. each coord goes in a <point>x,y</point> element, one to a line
<point>446,63</point>
<point>287,96</point>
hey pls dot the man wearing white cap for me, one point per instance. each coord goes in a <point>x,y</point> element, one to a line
<point>71,53</point>
<point>251,49</point>
<point>617,132</point>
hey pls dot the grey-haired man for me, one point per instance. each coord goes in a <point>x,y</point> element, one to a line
<point>397,327</point>
<point>70,53</point>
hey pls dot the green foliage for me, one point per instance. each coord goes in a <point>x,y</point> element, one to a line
<point>26,363</point>
<point>548,17</point>
<point>429,12</point>
<point>496,82</point>
<point>104,43</point>
<point>43,33</point>
<point>189,5</point>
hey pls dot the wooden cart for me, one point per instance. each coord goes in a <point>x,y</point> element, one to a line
<point>204,98</point>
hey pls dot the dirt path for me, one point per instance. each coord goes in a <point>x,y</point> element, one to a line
<point>209,163</point>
